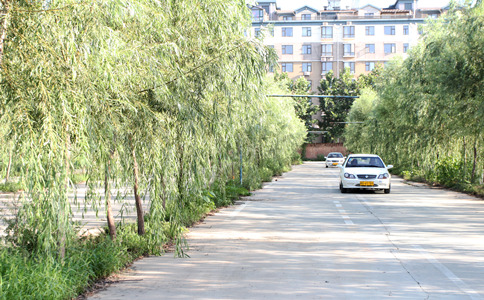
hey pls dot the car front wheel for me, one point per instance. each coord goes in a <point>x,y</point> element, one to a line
<point>342,189</point>
<point>387,191</point>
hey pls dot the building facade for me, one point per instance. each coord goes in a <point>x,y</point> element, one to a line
<point>312,42</point>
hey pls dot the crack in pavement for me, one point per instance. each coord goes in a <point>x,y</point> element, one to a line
<point>392,251</point>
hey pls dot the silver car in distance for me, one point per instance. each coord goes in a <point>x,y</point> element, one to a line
<point>334,159</point>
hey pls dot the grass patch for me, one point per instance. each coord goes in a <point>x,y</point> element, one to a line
<point>25,275</point>
<point>36,276</point>
<point>464,187</point>
<point>11,187</point>
<point>78,178</point>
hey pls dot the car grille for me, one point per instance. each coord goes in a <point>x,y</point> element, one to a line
<point>366,176</point>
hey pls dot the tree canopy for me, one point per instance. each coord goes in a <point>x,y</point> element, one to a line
<point>429,111</point>
<point>163,97</point>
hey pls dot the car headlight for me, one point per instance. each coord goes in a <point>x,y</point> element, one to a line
<point>350,176</point>
<point>383,176</point>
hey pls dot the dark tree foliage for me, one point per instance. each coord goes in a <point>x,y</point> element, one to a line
<point>335,110</point>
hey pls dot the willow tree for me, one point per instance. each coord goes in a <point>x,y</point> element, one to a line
<point>428,113</point>
<point>157,96</point>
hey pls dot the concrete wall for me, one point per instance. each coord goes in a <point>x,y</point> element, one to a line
<point>313,150</point>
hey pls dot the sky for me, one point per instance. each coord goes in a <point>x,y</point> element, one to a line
<point>318,4</point>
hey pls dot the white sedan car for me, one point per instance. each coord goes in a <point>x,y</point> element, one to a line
<point>334,159</point>
<point>364,171</point>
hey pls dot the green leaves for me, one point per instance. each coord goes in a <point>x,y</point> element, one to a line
<point>428,114</point>
<point>86,84</point>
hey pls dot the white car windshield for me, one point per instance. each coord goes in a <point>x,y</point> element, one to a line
<point>335,155</point>
<point>365,162</point>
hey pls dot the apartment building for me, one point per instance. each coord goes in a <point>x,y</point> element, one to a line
<point>311,42</point>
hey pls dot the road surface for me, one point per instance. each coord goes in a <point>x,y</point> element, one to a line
<point>300,238</point>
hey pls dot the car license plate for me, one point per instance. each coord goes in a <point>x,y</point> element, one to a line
<point>335,164</point>
<point>367,183</point>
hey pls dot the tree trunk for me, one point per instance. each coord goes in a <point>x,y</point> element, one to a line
<point>465,157</point>
<point>4,27</point>
<point>474,163</point>
<point>163,195</point>
<point>9,166</point>
<point>137,198</point>
<point>65,201</point>
<point>3,35</point>
<point>180,185</point>
<point>107,198</point>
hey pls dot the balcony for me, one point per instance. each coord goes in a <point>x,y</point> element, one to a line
<point>338,17</point>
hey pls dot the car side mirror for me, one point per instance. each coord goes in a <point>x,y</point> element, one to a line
<point>340,166</point>
<point>389,167</point>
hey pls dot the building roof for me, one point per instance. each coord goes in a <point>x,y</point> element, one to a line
<point>338,11</point>
<point>394,11</point>
<point>376,7</point>
<point>430,9</point>
<point>285,12</point>
<point>306,8</point>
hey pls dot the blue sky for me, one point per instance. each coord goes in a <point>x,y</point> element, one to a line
<point>318,4</point>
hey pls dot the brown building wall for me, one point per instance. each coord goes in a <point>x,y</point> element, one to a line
<point>313,150</point>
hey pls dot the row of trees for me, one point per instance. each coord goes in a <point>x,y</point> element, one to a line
<point>427,114</point>
<point>334,110</point>
<point>161,96</point>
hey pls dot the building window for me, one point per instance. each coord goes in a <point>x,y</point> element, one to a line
<point>408,6</point>
<point>327,50</point>
<point>405,30</point>
<point>287,18</point>
<point>405,48</point>
<point>286,67</point>
<point>348,31</point>
<point>370,48</point>
<point>287,49</point>
<point>257,32</point>
<point>370,30</point>
<point>327,32</point>
<point>306,31</point>
<point>306,17</point>
<point>286,31</point>
<point>327,66</point>
<point>258,15</point>
<point>369,65</point>
<point>307,67</point>
<point>350,65</point>
<point>348,50</point>
<point>389,48</point>
<point>310,84</point>
<point>389,30</point>
<point>306,49</point>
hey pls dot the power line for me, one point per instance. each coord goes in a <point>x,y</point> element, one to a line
<point>313,96</point>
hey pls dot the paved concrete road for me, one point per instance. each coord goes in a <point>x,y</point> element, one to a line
<point>299,238</point>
